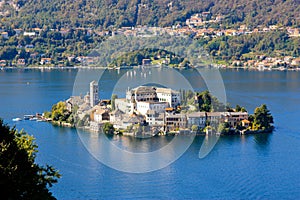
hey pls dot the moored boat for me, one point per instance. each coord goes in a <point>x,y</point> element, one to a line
<point>17,119</point>
<point>28,117</point>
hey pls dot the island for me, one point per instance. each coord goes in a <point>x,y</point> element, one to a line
<point>151,110</point>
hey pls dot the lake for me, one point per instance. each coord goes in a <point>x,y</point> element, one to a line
<point>238,167</point>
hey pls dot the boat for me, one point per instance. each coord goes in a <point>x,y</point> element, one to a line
<point>28,117</point>
<point>33,118</point>
<point>17,119</point>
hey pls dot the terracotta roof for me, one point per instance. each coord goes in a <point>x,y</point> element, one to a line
<point>246,121</point>
<point>169,109</point>
<point>100,112</point>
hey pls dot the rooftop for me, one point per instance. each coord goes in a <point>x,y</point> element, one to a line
<point>196,114</point>
<point>165,90</point>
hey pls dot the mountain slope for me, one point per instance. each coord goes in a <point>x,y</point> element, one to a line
<point>148,12</point>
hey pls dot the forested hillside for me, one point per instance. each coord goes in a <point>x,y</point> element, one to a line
<point>105,13</point>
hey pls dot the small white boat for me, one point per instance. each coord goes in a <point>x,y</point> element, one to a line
<point>17,119</point>
<point>33,119</point>
<point>27,117</point>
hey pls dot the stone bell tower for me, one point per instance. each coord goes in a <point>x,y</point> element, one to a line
<point>94,93</point>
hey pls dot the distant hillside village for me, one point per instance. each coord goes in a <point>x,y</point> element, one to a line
<point>149,109</point>
<point>67,47</point>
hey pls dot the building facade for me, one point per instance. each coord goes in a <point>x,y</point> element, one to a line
<point>143,107</point>
<point>168,95</point>
<point>197,118</point>
<point>94,93</point>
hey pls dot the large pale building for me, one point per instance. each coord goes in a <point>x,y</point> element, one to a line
<point>153,94</point>
<point>168,95</point>
<point>94,93</point>
<point>143,107</point>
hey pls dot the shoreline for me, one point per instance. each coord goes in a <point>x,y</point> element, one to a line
<point>214,66</point>
<point>174,133</point>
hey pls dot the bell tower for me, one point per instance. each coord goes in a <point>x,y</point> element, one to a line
<point>94,93</point>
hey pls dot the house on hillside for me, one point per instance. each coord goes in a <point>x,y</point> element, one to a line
<point>45,61</point>
<point>5,35</point>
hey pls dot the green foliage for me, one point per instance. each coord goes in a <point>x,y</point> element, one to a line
<point>8,53</point>
<point>84,121</point>
<point>187,97</point>
<point>273,43</point>
<point>106,13</point>
<point>50,44</point>
<point>204,101</point>
<point>47,114</point>
<point>194,128</point>
<point>108,128</point>
<point>238,108</point>
<point>136,57</point>
<point>19,174</point>
<point>262,118</point>
<point>59,112</point>
<point>224,128</point>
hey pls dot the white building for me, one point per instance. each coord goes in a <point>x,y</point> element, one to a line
<point>168,95</point>
<point>142,93</point>
<point>101,115</point>
<point>30,34</point>
<point>143,107</point>
<point>94,94</point>
<point>4,35</point>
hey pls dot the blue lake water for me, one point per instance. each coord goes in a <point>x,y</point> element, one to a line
<point>239,167</point>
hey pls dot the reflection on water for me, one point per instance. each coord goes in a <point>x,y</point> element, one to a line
<point>262,141</point>
<point>208,144</point>
<point>111,151</point>
<point>139,145</point>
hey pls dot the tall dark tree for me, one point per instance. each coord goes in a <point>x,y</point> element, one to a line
<point>262,118</point>
<point>20,176</point>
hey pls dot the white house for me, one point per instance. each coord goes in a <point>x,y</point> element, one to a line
<point>4,35</point>
<point>101,115</point>
<point>30,34</point>
<point>168,95</point>
<point>143,107</point>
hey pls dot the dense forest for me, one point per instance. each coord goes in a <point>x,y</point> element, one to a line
<point>276,43</point>
<point>118,13</point>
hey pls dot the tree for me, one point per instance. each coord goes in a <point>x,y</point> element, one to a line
<point>108,128</point>
<point>238,108</point>
<point>194,128</point>
<point>21,177</point>
<point>224,128</point>
<point>262,118</point>
<point>204,101</point>
<point>59,112</point>
<point>8,53</point>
